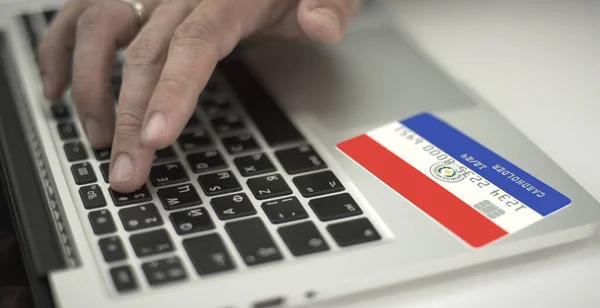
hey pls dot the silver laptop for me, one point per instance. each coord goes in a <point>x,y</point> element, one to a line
<point>307,174</point>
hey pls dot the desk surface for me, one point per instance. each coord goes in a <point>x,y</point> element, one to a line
<point>539,66</point>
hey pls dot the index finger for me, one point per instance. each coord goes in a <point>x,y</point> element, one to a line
<point>198,44</point>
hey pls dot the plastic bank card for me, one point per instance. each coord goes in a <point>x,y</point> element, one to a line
<point>471,191</point>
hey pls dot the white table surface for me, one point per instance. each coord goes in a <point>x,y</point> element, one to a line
<point>539,65</point>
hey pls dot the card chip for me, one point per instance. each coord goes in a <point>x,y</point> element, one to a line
<point>487,208</point>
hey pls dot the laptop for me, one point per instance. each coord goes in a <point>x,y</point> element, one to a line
<point>307,174</point>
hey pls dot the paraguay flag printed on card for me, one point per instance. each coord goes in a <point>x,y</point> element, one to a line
<point>470,190</point>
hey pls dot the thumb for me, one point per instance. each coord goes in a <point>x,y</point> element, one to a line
<point>325,21</point>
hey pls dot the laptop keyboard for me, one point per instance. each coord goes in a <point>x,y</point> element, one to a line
<point>241,162</point>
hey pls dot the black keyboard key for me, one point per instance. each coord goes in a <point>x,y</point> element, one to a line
<point>227,124</point>
<point>253,241</point>
<point>83,173</point>
<point>192,221</point>
<point>140,217</point>
<point>49,15</point>
<point>105,170</point>
<point>215,106</point>
<point>270,186</point>
<point>60,111</point>
<point>335,207</point>
<point>317,184</point>
<point>353,232</point>
<point>163,155</point>
<point>303,238</point>
<point>67,131</point>
<point>123,278</point>
<point>206,161</point>
<point>92,196</point>
<point>208,254</point>
<point>151,243</point>
<point>102,222</point>
<point>255,164</point>
<point>168,174</point>
<point>194,140</point>
<point>240,144</point>
<point>139,196</point>
<point>112,249</point>
<point>300,159</point>
<point>214,184</point>
<point>272,122</point>
<point>284,210</point>
<point>233,206</point>
<point>102,154</point>
<point>75,151</point>
<point>177,197</point>
<point>192,123</point>
<point>164,271</point>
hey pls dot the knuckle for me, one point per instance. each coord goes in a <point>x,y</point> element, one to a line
<point>128,121</point>
<point>171,83</point>
<point>201,34</point>
<point>82,86</point>
<point>90,19</point>
<point>143,52</point>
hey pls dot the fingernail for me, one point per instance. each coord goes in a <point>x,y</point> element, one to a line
<point>122,169</point>
<point>95,131</point>
<point>155,128</point>
<point>329,15</point>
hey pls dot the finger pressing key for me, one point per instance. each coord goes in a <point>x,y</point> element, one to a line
<point>101,30</point>
<point>144,60</point>
<point>204,38</point>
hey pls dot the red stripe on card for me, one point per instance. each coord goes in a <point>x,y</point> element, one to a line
<point>423,192</point>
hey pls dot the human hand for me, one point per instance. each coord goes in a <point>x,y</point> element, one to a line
<point>167,64</point>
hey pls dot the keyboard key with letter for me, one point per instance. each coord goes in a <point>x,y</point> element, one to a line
<point>75,151</point>
<point>164,155</point>
<point>112,249</point>
<point>102,222</point>
<point>208,254</point>
<point>227,124</point>
<point>219,183</point>
<point>103,154</point>
<point>164,271</point>
<point>233,206</point>
<point>181,196</point>
<point>140,217</point>
<point>303,238</point>
<point>300,159</point>
<point>60,111</point>
<point>139,196</point>
<point>255,164</point>
<point>67,131</point>
<point>240,144</point>
<point>270,186</point>
<point>151,243</point>
<point>353,232</point>
<point>123,278</point>
<point>253,241</point>
<point>335,207</point>
<point>83,173</point>
<point>168,174</point>
<point>92,197</point>
<point>194,140</point>
<point>192,221</point>
<point>284,210</point>
<point>206,161</point>
<point>317,184</point>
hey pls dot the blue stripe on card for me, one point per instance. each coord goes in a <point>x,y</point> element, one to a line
<point>513,180</point>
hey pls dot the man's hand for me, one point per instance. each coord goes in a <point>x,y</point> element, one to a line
<point>167,64</point>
